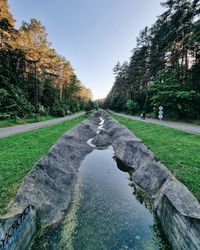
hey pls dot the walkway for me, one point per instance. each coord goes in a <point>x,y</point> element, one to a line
<point>188,127</point>
<point>4,132</point>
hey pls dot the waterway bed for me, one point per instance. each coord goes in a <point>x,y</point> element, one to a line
<point>104,212</point>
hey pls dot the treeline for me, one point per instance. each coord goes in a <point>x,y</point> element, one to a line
<point>34,79</point>
<point>164,68</point>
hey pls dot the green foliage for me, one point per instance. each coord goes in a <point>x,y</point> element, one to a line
<point>14,103</point>
<point>178,150</point>
<point>33,77</point>
<point>89,106</point>
<point>3,94</point>
<point>96,105</point>
<point>4,116</point>
<point>58,109</point>
<point>164,68</point>
<point>177,98</point>
<point>131,106</point>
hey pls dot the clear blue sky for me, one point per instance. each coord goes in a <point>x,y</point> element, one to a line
<point>92,34</point>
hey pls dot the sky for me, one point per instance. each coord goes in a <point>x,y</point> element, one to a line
<point>93,34</point>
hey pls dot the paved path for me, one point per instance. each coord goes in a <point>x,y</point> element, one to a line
<point>188,127</point>
<point>4,132</point>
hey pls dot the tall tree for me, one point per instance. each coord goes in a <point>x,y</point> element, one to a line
<point>165,64</point>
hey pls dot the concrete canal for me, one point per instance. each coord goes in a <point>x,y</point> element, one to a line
<point>105,212</point>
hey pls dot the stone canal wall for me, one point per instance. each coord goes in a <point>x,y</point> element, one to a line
<point>176,208</point>
<point>47,187</point>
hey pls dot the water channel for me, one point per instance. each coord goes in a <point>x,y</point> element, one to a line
<point>105,212</point>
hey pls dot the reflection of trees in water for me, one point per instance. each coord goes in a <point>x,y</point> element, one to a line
<point>141,196</point>
<point>157,231</point>
<point>159,236</point>
<point>122,166</point>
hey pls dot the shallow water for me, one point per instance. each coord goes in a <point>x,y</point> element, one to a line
<point>104,213</point>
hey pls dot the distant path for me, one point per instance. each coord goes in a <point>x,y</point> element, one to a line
<point>4,132</point>
<point>188,127</point>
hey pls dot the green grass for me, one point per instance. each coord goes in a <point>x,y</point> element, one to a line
<point>12,122</point>
<point>178,150</point>
<point>19,153</point>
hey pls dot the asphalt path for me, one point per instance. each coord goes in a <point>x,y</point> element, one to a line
<point>8,131</point>
<point>188,127</point>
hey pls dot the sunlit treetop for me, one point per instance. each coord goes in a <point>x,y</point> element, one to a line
<point>5,13</point>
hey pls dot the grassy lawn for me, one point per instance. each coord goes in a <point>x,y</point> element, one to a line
<point>12,122</point>
<point>178,150</point>
<point>19,153</point>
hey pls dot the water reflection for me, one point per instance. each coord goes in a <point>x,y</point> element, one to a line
<point>123,167</point>
<point>104,213</point>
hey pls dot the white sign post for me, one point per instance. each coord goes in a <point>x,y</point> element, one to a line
<point>160,113</point>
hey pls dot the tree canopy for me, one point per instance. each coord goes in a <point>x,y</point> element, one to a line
<point>164,68</point>
<point>33,77</point>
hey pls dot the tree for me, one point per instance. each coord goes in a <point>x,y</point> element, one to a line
<point>32,73</point>
<point>7,23</point>
<point>164,67</point>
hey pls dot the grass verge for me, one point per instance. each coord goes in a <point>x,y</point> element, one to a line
<point>18,154</point>
<point>19,121</point>
<point>178,150</point>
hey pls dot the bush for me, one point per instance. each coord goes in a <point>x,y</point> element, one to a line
<point>42,110</point>
<point>14,103</point>
<point>4,116</point>
<point>57,109</point>
<point>132,106</point>
<point>89,106</point>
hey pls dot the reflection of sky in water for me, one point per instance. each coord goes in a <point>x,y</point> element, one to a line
<point>104,214</point>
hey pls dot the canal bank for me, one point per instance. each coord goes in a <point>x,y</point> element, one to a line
<point>106,211</point>
<point>176,208</point>
<point>59,193</point>
<point>48,187</point>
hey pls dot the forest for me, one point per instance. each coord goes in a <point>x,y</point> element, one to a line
<point>34,79</point>
<point>164,68</point>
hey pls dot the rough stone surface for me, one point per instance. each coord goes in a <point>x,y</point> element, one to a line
<point>183,231</point>
<point>118,131</point>
<point>150,177</point>
<point>180,197</point>
<point>179,214</point>
<point>132,152</point>
<point>176,208</point>
<point>102,139</point>
<point>49,185</point>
